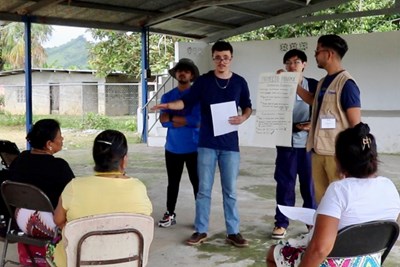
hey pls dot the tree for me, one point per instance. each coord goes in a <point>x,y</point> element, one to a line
<point>120,51</point>
<point>12,44</point>
<point>346,26</point>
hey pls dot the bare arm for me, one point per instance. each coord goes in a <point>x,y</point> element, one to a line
<point>307,96</point>
<point>60,215</point>
<point>177,121</point>
<point>175,105</point>
<point>353,116</point>
<point>322,241</point>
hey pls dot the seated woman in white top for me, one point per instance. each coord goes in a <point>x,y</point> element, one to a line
<point>361,196</point>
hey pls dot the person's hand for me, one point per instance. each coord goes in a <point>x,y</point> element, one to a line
<point>164,117</point>
<point>280,71</point>
<point>304,126</point>
<point>159,106</point>
<point>236,120</point>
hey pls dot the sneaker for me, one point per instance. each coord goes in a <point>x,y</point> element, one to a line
<point>278,232</point>
<point>196,239</point>
<point>237,240</point>
<point>167,220</point>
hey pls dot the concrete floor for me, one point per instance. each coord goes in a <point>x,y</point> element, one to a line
<point>256,192</point>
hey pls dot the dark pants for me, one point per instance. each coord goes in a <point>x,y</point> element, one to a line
<point>290,162</point>
<point>174,163</point>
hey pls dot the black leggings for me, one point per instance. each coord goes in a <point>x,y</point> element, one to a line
<point>174,163</point>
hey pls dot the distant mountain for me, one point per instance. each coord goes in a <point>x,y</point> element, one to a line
<point>73,54</point>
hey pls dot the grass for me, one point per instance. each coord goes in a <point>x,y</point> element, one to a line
<point>78,131</point>
<point>84,122</point>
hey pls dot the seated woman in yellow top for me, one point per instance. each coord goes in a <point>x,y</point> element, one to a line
<point>108,190</point>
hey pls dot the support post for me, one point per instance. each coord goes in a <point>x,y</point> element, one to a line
<point>144,77</point>
<point>28,75</point>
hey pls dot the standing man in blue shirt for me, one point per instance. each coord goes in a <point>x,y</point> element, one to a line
<point>336,107</point>
<point>182,137</point>
<point>217,86</point>
<point>295,160</point>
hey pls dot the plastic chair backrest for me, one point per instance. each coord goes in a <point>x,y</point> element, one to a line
<point>365,238</point>
<point>118,239</point>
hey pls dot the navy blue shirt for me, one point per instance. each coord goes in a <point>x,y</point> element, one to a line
<point>207,90</point>
<point>350,96</point>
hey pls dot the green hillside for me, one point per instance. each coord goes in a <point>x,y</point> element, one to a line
<point>72,55</point>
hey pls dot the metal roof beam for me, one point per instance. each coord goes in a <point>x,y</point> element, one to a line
<point>246,11</point>
<point>297,2</point>
<point>279,19</point>
<point>91,24</point>
<point>208,22</point>
<point>110,8</point>
<point>355,14</point>
<point>37,6</point>
<point>193,7</point>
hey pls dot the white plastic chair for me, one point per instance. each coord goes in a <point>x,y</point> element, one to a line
<point>114,239</point>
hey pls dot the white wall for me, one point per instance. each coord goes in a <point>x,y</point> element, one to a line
<point>373,60</point>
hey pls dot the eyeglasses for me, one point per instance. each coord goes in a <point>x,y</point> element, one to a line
<point>297,62</point>
<point>222,59</point>
<point>319,51</point>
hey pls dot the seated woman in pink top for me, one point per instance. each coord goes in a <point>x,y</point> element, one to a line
<point>361,196</point>
<point>109,190</point>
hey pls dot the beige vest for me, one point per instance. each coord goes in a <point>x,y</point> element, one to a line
<point>323,140</point>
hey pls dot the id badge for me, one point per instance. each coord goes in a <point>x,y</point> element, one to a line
<point>328,122</point>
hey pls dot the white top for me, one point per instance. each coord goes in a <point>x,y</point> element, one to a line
<point>357,200</point>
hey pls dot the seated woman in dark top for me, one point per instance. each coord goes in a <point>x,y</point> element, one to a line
<point>40,168</point>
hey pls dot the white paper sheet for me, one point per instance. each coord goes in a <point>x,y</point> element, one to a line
<point>275,102</point>
<point>304,215</point>
<point>220,114</point>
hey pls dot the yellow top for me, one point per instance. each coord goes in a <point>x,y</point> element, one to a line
<point>85,196</point>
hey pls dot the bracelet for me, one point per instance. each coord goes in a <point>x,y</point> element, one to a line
<point>170,117</point>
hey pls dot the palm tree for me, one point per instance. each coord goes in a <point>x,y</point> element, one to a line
<point>12,44</point>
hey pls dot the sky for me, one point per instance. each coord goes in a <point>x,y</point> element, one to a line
<point>63,34</point>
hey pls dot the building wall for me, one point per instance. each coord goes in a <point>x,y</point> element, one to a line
<point>71,93</point>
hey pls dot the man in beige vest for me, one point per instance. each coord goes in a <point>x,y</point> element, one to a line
<point>335,107</point>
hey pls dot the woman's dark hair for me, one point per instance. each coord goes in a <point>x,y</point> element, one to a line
<point>356,151</point>
<point>109,147</point>
<point>41,132</point>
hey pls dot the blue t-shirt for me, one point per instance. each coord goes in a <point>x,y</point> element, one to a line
<point>181,140</point>
<point>207,90</point>
<point>350,96</point>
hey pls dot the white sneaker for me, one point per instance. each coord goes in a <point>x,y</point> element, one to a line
<point>167,220</point>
